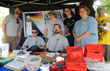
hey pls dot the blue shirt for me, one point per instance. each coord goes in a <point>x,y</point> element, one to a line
<point>86,25</point>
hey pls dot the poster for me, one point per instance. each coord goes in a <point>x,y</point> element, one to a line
<point>37,20</point>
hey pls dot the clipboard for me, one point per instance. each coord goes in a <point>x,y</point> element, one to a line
<point>6,66</point>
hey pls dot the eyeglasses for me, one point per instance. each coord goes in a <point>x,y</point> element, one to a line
<point>100,9</point>
<point>57,28</point>
<point>34,32</point>
<point>67,11</point>
<point>17,21</point>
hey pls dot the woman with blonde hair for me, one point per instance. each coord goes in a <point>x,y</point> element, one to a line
<point>85,30</point>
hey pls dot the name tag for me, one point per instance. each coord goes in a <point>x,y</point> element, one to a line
<point>83,22</point>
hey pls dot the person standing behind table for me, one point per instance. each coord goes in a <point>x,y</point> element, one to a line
<point>58,42</point>
<point>69,23</point>
<point>104,32</point>
<point>85,30</point>
<point>48,29</point>
<point>34,43</point>
<point>12,29</point>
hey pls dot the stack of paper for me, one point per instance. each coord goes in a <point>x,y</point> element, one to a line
<point>51,54</point>
<point>16,64</point>
<point>18,58</point>
<point>64,54</point>
<point>15,53</point>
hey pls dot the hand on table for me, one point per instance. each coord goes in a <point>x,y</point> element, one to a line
<point>25,48</point>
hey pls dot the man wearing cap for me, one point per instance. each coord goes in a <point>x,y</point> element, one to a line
<point>58,42</point>
<point>104,32</point>
<point>12,29</point>
<point>48,29</point>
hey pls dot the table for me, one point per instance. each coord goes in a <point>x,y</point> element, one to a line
<point>6,69</point>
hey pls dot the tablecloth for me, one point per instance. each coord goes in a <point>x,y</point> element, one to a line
<point>6,69</point>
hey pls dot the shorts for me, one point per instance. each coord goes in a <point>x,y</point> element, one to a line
<point>107,52</point>
<point>12,41</point>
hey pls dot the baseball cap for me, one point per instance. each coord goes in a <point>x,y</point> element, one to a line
<point>52,12</point>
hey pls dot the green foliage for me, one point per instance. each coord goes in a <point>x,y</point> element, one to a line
<point>106,4</point>
<point>97,14</point>
<point>1,19</point>
<point>3,12</point>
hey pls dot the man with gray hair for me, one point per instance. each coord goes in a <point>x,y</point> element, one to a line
<point>104,31</point>
<point>12,29</point>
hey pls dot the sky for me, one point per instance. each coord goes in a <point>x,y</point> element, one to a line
<point>96,4</point>
<point>4,10</point>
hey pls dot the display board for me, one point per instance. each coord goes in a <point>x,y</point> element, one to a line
<point>37,20</point>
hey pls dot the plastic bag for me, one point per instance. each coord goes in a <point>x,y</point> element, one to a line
<point>94,64</point>
<point>106,67</point>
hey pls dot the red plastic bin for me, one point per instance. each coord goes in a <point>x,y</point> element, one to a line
<point>78,69</point>
<point>76,63</point>
<point>94,51</point>
<point>74,52</point>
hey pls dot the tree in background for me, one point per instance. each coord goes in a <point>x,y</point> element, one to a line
<point>3,13</point>
<point>1,20</point>
<point>106,4</point>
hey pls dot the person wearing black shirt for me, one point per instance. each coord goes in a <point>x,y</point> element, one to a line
<point>69,23</point>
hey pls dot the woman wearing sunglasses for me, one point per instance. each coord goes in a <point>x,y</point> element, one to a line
<point>104,32</point>
<point>85,30</point>
<point>34,43</point>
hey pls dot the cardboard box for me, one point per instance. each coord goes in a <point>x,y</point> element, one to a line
<point>47,58</point>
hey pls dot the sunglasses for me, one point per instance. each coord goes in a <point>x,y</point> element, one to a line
<point>100,9</point>
<point>34,32</point>
<point>17,21</point>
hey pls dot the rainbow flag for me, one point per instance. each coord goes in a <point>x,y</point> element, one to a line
<point>38,21</point>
